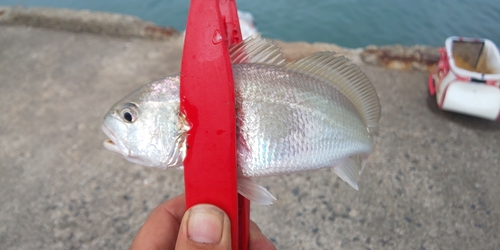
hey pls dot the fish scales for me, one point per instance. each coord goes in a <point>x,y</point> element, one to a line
<point>291,122</point>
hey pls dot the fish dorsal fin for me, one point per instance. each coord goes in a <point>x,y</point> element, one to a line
<point>348,78</point>
<point>256,50</point>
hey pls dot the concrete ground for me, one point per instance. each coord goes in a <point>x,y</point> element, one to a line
<point>433,182</point>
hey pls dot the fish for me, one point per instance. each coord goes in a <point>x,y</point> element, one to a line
<point>313,113</point>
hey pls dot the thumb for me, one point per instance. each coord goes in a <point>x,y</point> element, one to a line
<point>204,227</point>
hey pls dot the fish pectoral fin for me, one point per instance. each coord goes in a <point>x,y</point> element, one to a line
<point>254,192</point>
<point>350,170</point>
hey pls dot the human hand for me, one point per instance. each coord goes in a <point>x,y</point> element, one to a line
<point>203,226</point>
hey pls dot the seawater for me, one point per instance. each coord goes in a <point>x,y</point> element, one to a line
<point>349,23</point>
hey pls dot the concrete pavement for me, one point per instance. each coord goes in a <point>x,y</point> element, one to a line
<point>431,184</point>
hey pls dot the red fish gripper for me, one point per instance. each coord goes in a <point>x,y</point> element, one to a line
<point>207,101</point>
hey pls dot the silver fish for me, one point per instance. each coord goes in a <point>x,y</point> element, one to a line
<point>314,113</point>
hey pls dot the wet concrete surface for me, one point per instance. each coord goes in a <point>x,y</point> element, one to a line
<point>431,184</point>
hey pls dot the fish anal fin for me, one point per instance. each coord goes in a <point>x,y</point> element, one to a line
<point>256,50</point>
<point>254,192</point>
<point>350,170</point>
<point>345,76</point>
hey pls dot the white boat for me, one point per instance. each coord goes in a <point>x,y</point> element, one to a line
<point>467,78</point>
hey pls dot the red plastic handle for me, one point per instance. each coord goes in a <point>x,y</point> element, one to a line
<point>207,100</point>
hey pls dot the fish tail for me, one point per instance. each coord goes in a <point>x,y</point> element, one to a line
<point>254,192</point>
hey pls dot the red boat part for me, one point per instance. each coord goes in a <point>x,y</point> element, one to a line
<point>432,85</point>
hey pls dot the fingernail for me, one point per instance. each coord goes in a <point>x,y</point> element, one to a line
<point>205,224</point>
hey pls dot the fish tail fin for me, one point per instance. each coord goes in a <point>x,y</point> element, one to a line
<point>350,170</point>
<point>254,192</point>
<point>348,78</point>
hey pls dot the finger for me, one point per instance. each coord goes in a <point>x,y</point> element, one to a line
<point>204,227</point>
<point>257,240</point>
<point>161,228</point>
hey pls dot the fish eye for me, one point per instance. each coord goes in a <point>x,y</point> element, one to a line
<point>129,112</point>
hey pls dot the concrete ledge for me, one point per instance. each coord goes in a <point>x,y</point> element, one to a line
<point>399,57</point>
<point>295,50</point>
<point>84,21</point>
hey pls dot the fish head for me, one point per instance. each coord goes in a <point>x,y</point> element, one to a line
<point>146,127</point>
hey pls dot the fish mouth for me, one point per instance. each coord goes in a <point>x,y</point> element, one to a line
<point>114,145</point>
<point>110,144</point>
